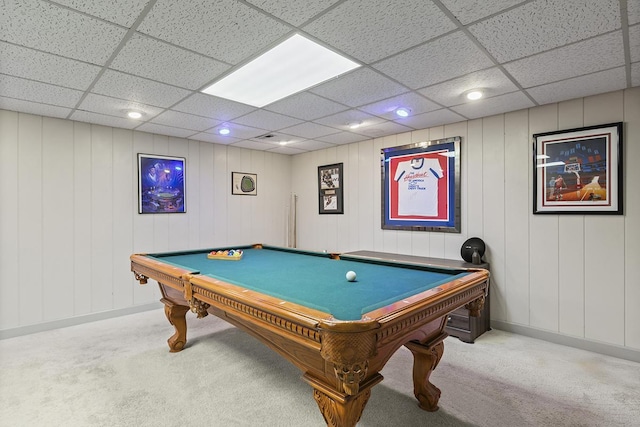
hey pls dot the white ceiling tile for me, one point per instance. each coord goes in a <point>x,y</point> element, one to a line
<point>309,130</point>
<point>215,138</point>
<point>342,120</point>
<point>467,11</point>
<point>633,10</point>
<point>125,86</point>
<point>596,54</point>
<point>240,31</point>
<point>370,31</point>
<point>443,59</point>
<point>634,42</point>
<point>343,138</point>
<point>253,145</point>
<point>493,82</point>
<point>591,84</point>
<point>306,106</point>
<point>266,120</point>
<point>30,90</point>
<point>496,105</point>
<point>290,10</point>
<point>44,67</point>
<point>185,121</point>
<point>244,132</point>
<point>545,24</point>
<point>383,129</point>
<point>116,107</point>
<point>635,74</point>
<point>310,145</point>
<point>156,60</point>
<point>286,150</point>
<point>44,26</point>
<point>121,12</point>
<point>278,138</point>
<point>153,56</point>
<point>432,118</point>
<point>33,107</point>
<point>165,130</point>
<point>354,89</point>
<point>214,107</point>
<point>104,120</point>
<point>273,139</point>
<point>387,108</point>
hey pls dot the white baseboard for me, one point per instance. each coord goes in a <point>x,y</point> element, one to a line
<point>76,320</point>
<point>581,343</point>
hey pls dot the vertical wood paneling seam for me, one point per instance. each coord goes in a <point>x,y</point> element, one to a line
<point>113,208</point>
<point>134,208</point>
<point>624,222</point>
<point>42,230</point>
<point>18,203</point>
<point>73,216</point>
<point>504,210</point>
<point>558,316</point>
<point>584,254</point>
<point>91,219</point>
<point>530,185</point>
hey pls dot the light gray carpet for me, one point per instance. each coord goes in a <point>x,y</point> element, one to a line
<point>119,372</point>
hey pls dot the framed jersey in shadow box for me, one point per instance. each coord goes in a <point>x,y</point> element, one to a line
<point>421,186</point>
<point>330,189</point>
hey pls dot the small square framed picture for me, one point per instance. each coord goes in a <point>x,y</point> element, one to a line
<point>244,184</point>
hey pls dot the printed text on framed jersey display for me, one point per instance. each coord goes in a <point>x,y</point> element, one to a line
<point>421,186</point>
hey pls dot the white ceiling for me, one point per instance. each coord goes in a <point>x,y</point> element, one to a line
<point>92,60</point>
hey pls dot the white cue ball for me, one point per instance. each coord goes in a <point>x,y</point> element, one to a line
<point>351,276</point>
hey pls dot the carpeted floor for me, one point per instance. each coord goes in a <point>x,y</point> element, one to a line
<point>119,372</point>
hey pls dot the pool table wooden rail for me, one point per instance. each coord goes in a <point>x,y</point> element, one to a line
<point>341,360</point>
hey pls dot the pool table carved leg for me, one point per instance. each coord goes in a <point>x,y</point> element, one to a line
<point>475,306</point>
<point>176,315</point>
<point>425,359</point>
<point>339,409</point>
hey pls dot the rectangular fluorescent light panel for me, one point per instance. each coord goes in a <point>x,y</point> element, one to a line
<point>294,65</point>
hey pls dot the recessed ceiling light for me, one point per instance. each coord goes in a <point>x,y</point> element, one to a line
<point>134,114</point>
<point>283,142</point>
<point>474,94</point>
<point>224,131</point>
<point>294,65</point>
<point>403,112</point>
<point>354,125</point>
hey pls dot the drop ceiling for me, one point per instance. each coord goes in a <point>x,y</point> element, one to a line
<point>92,61</point>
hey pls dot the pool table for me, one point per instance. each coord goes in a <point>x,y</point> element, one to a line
<point>339,333</point>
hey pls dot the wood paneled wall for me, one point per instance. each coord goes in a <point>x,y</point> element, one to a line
<point>68,217</point>
<point>69,221</point>
<point>573,275</point>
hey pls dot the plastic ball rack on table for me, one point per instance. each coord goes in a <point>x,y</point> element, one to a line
<point>228,255</point>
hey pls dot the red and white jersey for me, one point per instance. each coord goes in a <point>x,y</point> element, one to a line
<point>418,186</point>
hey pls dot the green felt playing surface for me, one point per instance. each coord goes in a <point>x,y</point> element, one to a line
<point>316,280</point>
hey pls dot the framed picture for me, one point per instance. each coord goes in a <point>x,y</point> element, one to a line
<point>578,171</point>
<point>245,184</point>
<point>421,186</point>
<point>330,189</point>
<point>161,184</point>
